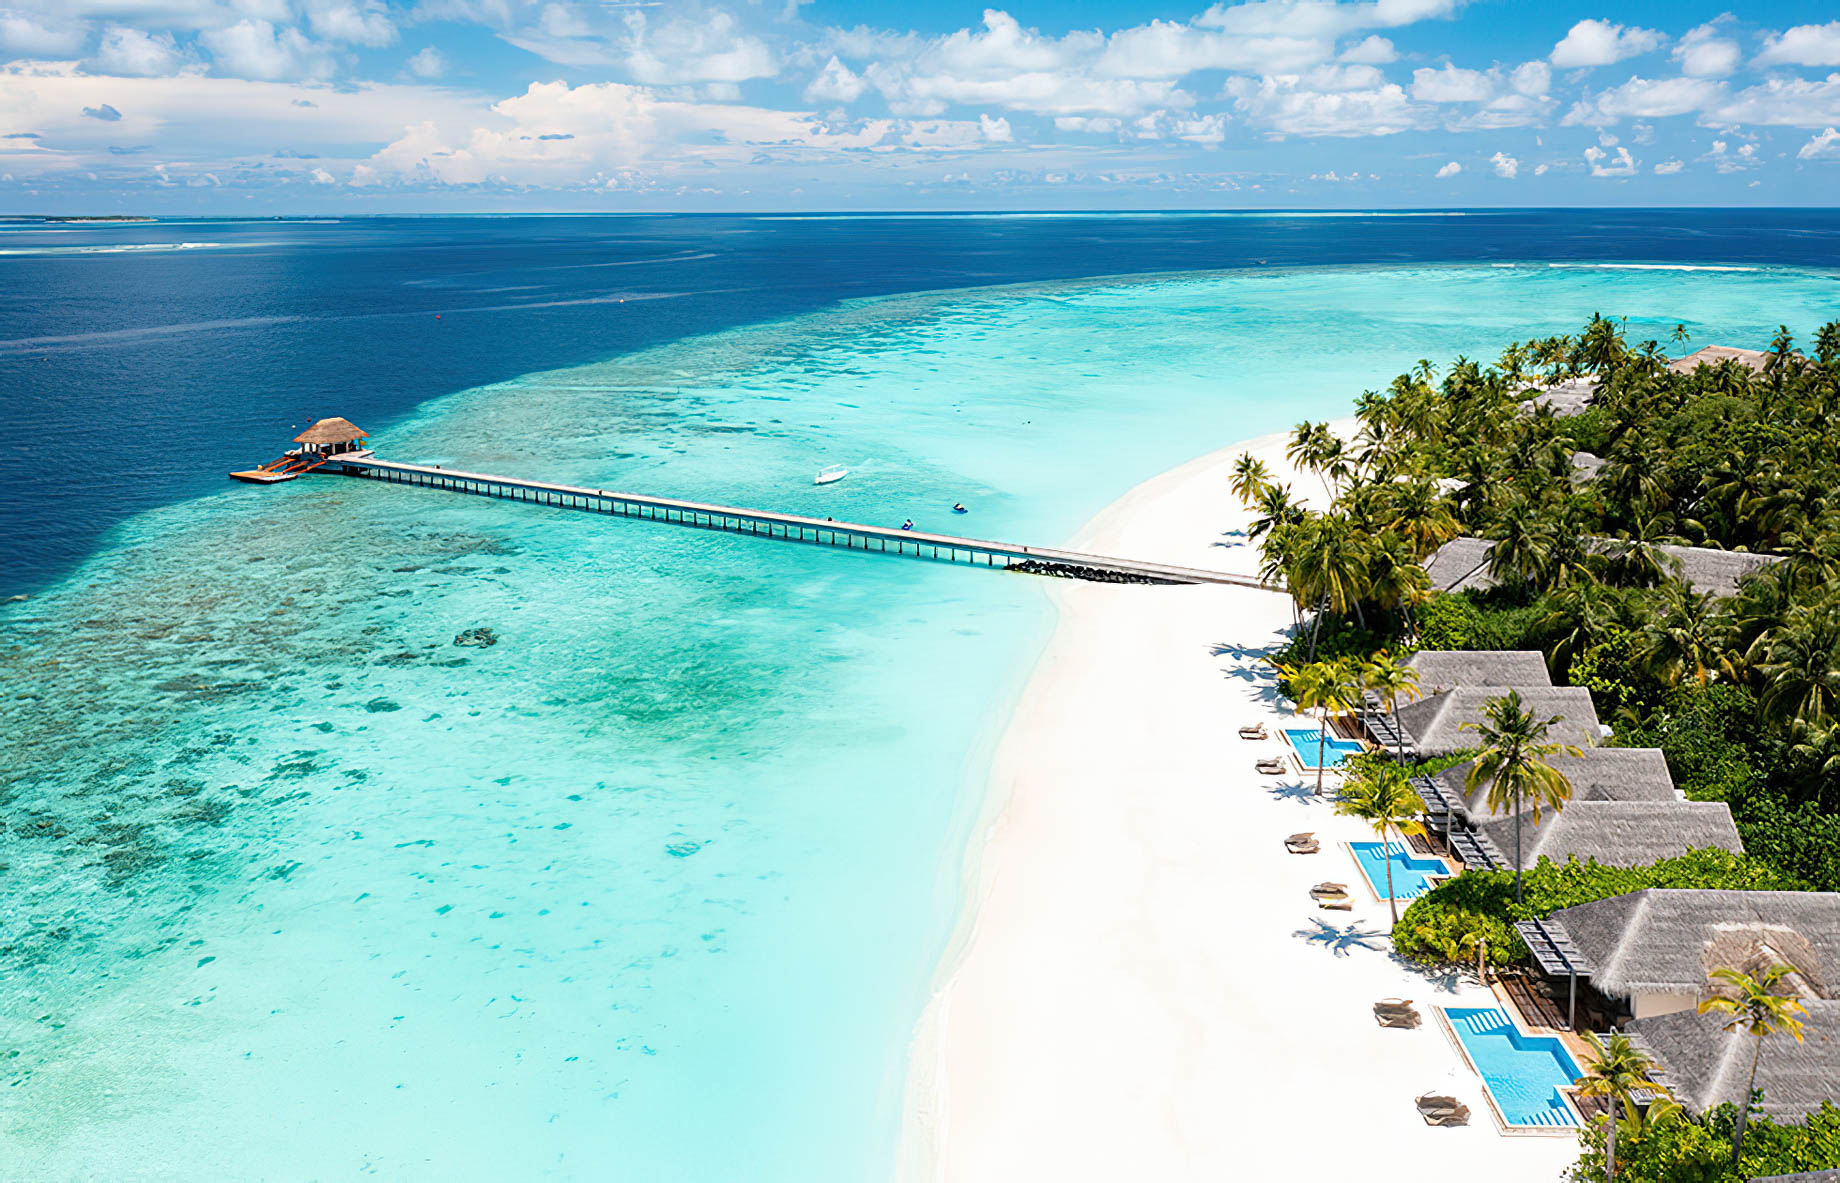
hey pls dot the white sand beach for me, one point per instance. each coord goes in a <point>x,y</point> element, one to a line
<point>1141,987</point>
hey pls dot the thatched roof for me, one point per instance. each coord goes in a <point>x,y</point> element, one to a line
<point>1712,355</point>
<point>1569,397</point>
<point>1446,669</point>
<point>1599,774</point>
<point>1705,1066</point>
<point>331,431</point>
<point>1827,1176</point>
<point>1585,465</point>
<point>1463,563</point>
<point>1665,940</point>
<point>1616,833</point>
<point>1435,723</point>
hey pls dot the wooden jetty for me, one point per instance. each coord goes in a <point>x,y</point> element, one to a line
<point>760,523</point>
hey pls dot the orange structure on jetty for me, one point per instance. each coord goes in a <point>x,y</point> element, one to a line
<point>319,443</point>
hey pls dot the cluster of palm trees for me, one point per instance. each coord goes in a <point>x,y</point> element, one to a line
<point>1340,686</point>
<point>1619,1072</point>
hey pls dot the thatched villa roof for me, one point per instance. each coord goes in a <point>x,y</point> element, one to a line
<point>1829,1176</point>
<point>1665,940</point>
<point>1705,1066</point>
<point>1463,563</point>
<point>1585,466</point>
<point>1446,669</point>
<point>1600,774</point>
<point>331,431</point>
<point>1616,833</point>
<point>1712,355</point>
<point>1435,723</point>
<point>1565,398</point>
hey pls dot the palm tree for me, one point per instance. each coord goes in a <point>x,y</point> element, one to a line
<point>1800,671</point>
<point>1250,478</point>
<point>1752,1006</point>
<point>1275,508</point>
<point>1580,616</point>
<point>1615,1071</point>
<point>1680,641</point>
<point>1323,687</point>
<point>1422,515</point>
<point>1392,679</point>
<point>1680,336</point>
<point>1315,447</point>
<point>1382,796</point>
<point>1513,765</point>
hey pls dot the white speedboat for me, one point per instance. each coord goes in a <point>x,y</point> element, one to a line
<point>831,475</point>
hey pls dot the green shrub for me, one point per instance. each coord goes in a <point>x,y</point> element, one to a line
<point>1700,1151</point>
<point>1459,620</point>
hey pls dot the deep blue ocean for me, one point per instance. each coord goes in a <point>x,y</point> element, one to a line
<point>140,361</point>
<point>654,889</point>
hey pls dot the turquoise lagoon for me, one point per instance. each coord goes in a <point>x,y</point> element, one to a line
<point>652,889</point>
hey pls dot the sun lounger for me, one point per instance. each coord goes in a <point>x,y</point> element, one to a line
<point>1396,1012</point>
<point>1302,844</point>
<point>1328,891</point>
<point>1271,766</point>
<point>1442,1110</point>
<point>1255,731</point>
<point>1337,905</point>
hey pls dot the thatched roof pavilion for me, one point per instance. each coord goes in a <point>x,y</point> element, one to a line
<point>1655,947</point>
<point>1463,564</point>
<point>1712,355</point>
<point>1445,669</point>
<point>331,431</point>
<point>1435,724</point>
<point>1614,833</point>
<point>1599,774</point>
<point>1567,397</point>
<point>1705,1066</point>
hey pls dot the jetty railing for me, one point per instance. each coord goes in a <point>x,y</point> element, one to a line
<point>789,527</point>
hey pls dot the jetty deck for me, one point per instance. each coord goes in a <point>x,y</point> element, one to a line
<point>762,523</point>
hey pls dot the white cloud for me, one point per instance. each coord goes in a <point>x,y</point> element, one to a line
<point>1804,45</point>
<point>1826,143</point>
<point>1643,98</point>
<point>1668,168</point>
<point>1449,170</point>
<point>1372,50</point>
<point>1452,84</point>
<point>1098,124</point>
<point>1620,165</point>
<point>836,83</point>
<point>1167,49</point>
<point>123,50</point>
<point>428,63</point>
<point>1531,78</point>
<point>1278,106</point>
<point>256,49</point>
<point>358,22</point>
<point>1600,43</point>
<point>34,36</point>
<point>321,177</point>
<point>1506,166</point>
<point>1321,18</point>
<point>706,48</point>
<point>1722,157</point>
<point>1782,102</point>
<point>1704,54</point>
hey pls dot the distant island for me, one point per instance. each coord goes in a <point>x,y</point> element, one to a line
<point>102,218</point>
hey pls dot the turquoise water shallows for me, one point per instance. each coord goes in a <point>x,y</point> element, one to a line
<point>1524,1073</point>
<point>652,888</point>
<point>1412,874</point>
<point>1309,744</point>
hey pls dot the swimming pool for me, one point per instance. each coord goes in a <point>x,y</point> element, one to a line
<point>1524,1073</point>
<point>1303,741</point>
<point>1412,874</point>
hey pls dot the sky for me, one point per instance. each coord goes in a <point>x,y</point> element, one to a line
<point>546,105</point>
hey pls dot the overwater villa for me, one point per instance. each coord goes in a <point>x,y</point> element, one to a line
<point>1462,564</point>
<point>319,443</point>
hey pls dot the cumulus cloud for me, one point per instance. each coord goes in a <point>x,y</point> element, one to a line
<point>1731,160</point>
<point>1281,106</point>
<point>103,112</point>
<point>256,49</point>
<point>427,63</point>
<point>836,83</point>
<point>1782,102</point>
<point>123,50</point>
<point>1644,98</point>
<point>1449,170</point>
<point>1505,165</point>
<point>1826,143</point>
<point>1604,165</point>
<point>37,35</point>
<point>1451,84</point>
<point>1668,168</point>
<point>1373,50</point>
<point>1531,78</point>
<point>1600,43</point>
<point>1704,53</point>
<point>357,22</point>
<point>1804,45</point>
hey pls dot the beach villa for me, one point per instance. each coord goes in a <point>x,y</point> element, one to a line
<point>1446,722</point>
<point>1711,355</point>
<point>1462,564</point>
<point>1705,1066</point>
<point>1614,833</point>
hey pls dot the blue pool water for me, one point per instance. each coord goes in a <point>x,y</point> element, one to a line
<point>1411,874</point>
<point>1524,1073</point>
<point>1304,741</point>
